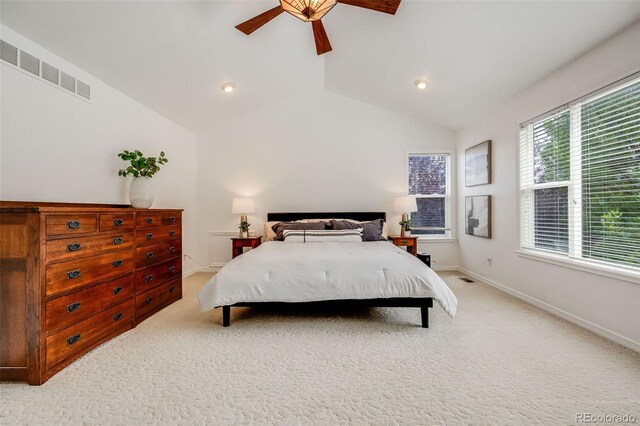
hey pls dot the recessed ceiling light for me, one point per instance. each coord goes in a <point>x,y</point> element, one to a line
<point>228,87</point>
<point>422,84</point>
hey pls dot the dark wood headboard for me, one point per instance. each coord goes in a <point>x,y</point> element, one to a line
<point>359,216</point>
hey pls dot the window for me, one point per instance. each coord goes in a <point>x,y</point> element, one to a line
<point>429,180</point>
<point>580,178</point>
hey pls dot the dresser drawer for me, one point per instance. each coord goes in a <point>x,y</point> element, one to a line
<point>157,235</point>
<point>66,276</point>
<point>172,218</point>
<point>79,247</point>
<point>148,255</point>
<point>66,310</point>
<point>85,334</point>
<point>146,220</point>
<point>70,224</point>
<point>155,299</point>
<point>116,222</point>
<point>154,275</point>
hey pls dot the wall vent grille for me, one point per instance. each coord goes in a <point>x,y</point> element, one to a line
<point>8,53</point>
<point>68,82</point>
<point>29,63</point>
<point>50,73</point>
<point>83,89</point>
<point>20,59</point>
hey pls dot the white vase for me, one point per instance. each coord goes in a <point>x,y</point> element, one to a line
<point>141,192</point>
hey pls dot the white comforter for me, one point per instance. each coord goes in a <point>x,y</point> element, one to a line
<point>305,272</point>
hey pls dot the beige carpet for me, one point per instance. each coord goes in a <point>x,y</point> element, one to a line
<point>500,361</point>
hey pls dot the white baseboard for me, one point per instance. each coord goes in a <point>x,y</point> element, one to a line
<point>608,334</point>
<point>195,271</point>
<point>445,268</point>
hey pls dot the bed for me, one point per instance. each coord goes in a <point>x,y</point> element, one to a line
<point>340,274</point>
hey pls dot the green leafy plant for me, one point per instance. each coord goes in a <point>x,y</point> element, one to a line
<point>141,165</point>
<point>244,226</point>
<point>406,224</point>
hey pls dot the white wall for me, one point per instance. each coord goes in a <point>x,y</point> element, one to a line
<point>320,152</point>
<point>58,147</point>
<point>608,305</point>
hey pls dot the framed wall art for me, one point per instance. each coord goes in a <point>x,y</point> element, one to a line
<point>477,164</point>
<point>477,210</point>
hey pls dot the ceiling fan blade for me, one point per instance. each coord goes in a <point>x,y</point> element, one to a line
<point>385,6</point>
<point>320,35</point>
<point>253,24</point>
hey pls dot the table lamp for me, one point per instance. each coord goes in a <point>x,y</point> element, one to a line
<point>243,206</point>
<point>405,205</point>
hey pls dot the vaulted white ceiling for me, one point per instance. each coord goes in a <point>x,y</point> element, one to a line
<point>172,56</point>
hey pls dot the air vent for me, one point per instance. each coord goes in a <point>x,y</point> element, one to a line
<point>84,90</point>
<point>25,62</point>
<point>50,73</point>
<point>68,82</point>
<point>8,53</point>
<point>467,280</point>
<point>29,63</point>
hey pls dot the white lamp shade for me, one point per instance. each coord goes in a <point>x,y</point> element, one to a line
<point>405,204</point>
<point>243,206</point>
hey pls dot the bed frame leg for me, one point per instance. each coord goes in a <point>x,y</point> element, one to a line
<point>424,313</point>
<point>226,316</point>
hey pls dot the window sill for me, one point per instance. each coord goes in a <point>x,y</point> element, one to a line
<point>436,240</point>
<point>619,273</point>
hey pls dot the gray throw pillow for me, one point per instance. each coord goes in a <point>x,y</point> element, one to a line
<point>371,231</point>
<point>280,227</point>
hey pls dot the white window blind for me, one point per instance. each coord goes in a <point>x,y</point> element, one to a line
<point>580,178</point>
<point>429,180</point>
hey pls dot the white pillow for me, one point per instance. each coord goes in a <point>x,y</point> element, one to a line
<point>385,228</point>
<point>327,235</point>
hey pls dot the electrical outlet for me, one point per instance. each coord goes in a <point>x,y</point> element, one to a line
<point>184,257</point>
<point>490,260</point>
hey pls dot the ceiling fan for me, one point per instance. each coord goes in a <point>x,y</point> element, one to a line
<point>313,11</point>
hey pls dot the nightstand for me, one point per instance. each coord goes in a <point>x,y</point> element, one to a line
<point>238,244</point>
<point>411,243</point>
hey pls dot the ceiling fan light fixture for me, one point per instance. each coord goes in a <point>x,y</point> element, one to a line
<point>228,87</point>
<point>308,10</point>
<point>422,84</point>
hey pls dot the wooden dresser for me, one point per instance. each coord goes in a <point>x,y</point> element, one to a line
<point>73,276</point>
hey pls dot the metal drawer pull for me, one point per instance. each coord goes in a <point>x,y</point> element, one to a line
<point>73,247</point>
<point>73,274</point>
<point>172,249</point>
<point>149,220</point>
<point>172,233</point>
<point>117,263</point>
<point>172,288</point>
<point>73,339</point>
<point>73,307</point>
<point>149,300</point>
<point>148,278</point>
<point>117,316</point>
<point>118,222</point>
<point>149,236</point>
<point>117,290</point>
<point>172,219</point>
<point>117,240</point>
<point>74,224</point>
<point>148,255</point>
<point>172,269</point>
